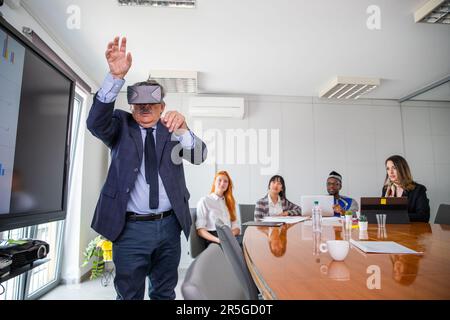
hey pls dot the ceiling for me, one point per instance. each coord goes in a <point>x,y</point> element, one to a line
<point>280,47</point>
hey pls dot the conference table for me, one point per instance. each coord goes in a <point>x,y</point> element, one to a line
<point>290,264</point>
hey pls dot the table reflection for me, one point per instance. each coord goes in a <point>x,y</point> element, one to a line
<point>277,238</point>
<point>336,270</point>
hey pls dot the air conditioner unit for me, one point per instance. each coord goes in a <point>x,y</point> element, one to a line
<point>220,107</point>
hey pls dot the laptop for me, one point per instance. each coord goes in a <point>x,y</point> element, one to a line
<point>396,209</point>
<point>325,202</point>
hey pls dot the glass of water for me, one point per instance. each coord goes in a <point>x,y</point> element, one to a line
<point>381,220</point>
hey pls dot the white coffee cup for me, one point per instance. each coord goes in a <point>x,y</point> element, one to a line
<point>338,249</point>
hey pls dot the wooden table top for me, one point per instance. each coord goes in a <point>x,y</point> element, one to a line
<point>286,263</point>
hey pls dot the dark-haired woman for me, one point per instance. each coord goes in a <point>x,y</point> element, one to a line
<point>275,202</point>
<point>399,183</point>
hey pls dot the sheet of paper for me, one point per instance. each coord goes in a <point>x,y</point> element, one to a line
<point>287,219</point>
<point>327,221</point>
<point>331,221</point>
<point>331,218</point>
<point>382,247</point>
<point>263,223</point>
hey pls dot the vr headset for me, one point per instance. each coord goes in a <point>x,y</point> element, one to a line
<point>147,94</point>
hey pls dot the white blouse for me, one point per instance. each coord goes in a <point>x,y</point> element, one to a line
<point>210,208</point>
<point>274,209</point>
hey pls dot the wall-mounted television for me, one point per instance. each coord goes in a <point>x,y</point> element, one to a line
<point>36,100</point>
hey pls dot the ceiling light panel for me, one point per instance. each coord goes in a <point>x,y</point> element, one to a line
<point>434,11</point>
<point>349,87</point>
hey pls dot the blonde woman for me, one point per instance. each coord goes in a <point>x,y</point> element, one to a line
<point>399,183</point>
<point>219,203</point>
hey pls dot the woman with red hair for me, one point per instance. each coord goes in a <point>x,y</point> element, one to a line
<point>220,204</point>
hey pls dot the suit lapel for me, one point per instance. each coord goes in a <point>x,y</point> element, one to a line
<point>162,134</point>
<point>137,137</point>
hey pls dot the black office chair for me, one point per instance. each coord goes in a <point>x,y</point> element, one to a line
<point>247,212</point>
<point>196,243</point>
<point>233,253</point>
<point>443,214</point>
<point>211,277</point>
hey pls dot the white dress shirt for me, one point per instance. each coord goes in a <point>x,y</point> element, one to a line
<point>210,208</point>
<point>139,196</point>
<point>274,209</point>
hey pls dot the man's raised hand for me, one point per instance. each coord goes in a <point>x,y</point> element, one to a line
<point>118,60</point>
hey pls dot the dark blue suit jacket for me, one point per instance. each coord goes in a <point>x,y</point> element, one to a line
<point>121,133</point>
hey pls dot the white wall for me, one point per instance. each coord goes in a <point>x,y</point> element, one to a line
<point>352,137</point>
<point>427,147</point>
<point>316,137</point>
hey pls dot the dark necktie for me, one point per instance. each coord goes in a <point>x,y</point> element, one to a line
<point>151,168</point>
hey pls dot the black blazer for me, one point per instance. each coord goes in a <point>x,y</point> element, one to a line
<point>418,203</point>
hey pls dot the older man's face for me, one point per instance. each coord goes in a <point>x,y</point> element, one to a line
<point>147,115</point>
<point>333,186</point>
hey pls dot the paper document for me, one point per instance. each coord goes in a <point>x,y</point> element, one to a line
<point>327,221</point>
<point>382,247</point>
<point>263,224</point>
<point>331,221</point>
<point>286,219</point>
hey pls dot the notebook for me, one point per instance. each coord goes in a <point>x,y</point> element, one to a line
<point>389,247</point>
<point>285,219</point>
<point>263,224</point>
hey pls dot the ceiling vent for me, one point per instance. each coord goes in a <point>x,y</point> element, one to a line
<point>160,3</point>
<point>349,87</point>
<point>176,81</point>
<point>434,11</point>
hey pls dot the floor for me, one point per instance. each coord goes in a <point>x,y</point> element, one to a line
<point>94,290</point>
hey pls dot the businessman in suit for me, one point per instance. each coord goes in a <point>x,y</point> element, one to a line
<point>143,205</point>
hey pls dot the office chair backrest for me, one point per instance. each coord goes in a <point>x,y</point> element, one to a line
<point>235,256</point>
<point>196,243</point>
<point>247,212</point>
<point>211,277</point>
<point>443,214</point>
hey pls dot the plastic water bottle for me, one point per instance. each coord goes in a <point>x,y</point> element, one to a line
<point>317,217</point>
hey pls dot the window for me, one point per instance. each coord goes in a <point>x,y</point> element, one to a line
<point>46,274</point>
<point>10,290</point>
